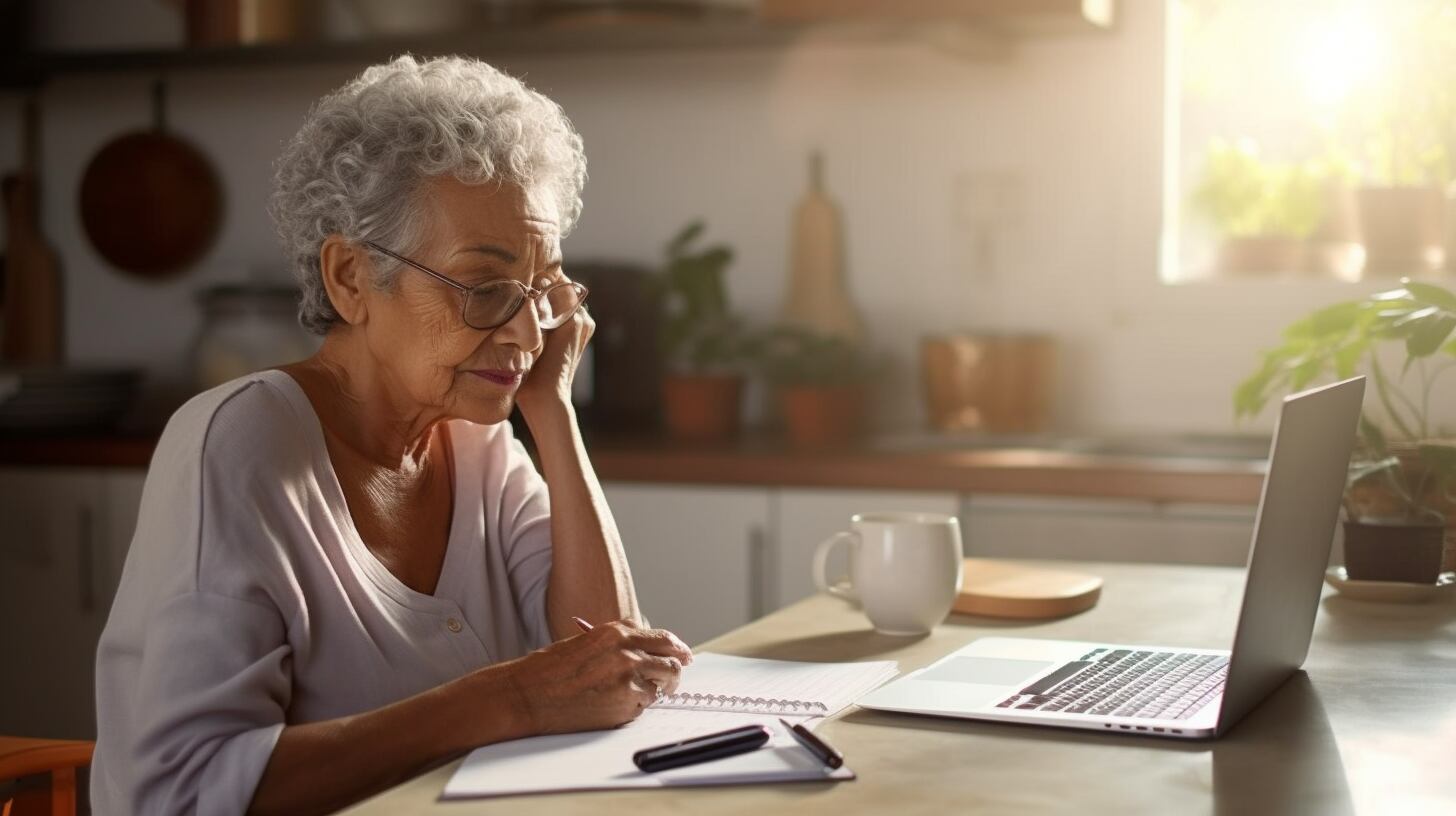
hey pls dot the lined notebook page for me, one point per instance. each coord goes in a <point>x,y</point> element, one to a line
<point>716,682</point>
<point>717,692</point>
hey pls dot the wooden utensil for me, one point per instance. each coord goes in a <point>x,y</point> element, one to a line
<point>998,589</point>
<point>33,305</point>
<point>817,297</point>
<point>150,202</point>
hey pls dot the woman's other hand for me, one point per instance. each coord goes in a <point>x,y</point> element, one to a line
<point>598,679</point>
<point>548,383</point>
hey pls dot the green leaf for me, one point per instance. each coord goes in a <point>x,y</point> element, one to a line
<point>1372,437</point>
<point>1413,317</point>
<point>1346,357</point>
<point>1304,374</point>
<point>679,244</point>
<point>1439,457</point>
<point>1434,295</point>
<point>1336,319</point>
<point>1390,294</point>
<point>1364,470</point>
<point>1428,336</point>
<point>1252,394</point>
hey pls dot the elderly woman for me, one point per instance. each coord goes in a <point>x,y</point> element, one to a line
<point>342,567</point>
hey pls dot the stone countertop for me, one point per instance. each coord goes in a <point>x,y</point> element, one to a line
<point>1018,467</point>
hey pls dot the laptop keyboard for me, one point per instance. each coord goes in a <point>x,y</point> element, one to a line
<point>1128,683</point>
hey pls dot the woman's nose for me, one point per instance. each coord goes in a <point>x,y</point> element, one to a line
<point>523,330</point>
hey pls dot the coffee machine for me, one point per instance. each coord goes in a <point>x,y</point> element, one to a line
<point>618,386</point>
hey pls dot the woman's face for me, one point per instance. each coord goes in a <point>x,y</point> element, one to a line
<point>474,233</point>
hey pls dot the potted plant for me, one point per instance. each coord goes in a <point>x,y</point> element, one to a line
<point>1402,483</point>
<point>704,344</point>
<point>1406,130</point>
<point>820,382</point>
<point>1402,205</point>
<point>1262,210</point>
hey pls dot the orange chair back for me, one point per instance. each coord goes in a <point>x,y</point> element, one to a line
<point>23,756</point>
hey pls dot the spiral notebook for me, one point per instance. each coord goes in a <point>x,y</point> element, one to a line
<point>747,685</point>
<point>717,692</point>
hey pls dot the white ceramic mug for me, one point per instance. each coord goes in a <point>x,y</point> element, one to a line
<point>904,568</point>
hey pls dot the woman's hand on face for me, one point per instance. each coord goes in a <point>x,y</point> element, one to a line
<point>598,679</point>
<point>548,383</point>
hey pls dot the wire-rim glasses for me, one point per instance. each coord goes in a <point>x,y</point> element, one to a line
<point>495,303</point>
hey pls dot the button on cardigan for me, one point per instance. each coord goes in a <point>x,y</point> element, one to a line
<point>249,601</point>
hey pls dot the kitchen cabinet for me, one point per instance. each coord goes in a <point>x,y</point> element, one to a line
<point>1106,530</point>
<point>63,539</point>
<point>805,517</point>
<point>705,558</point>
<point>708,559</point>
<point>697,553</point>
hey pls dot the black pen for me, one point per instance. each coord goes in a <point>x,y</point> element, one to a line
<point>702,749</point>
<point>818,747</point>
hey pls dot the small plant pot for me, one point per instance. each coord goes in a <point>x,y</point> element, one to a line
<point>1403,551</point>
<point>1262,256</point>
<point>702,407</point>
<point>819,416</point>
<point>1403,230</point>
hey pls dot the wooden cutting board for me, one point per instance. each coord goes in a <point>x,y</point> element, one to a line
<point>1000,589</point>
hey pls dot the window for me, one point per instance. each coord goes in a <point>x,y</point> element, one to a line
<point>1310,139</point>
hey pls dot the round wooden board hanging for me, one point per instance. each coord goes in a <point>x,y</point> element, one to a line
<point>1000,589</point>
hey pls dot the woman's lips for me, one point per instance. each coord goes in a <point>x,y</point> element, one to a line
<point>498,376</point>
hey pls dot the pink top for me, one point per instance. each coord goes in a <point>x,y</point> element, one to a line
<point>249,601</point>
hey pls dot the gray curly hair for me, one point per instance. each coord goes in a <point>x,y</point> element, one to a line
<point>355,166</point>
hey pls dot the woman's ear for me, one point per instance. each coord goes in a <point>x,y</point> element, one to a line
<point>345,269</point>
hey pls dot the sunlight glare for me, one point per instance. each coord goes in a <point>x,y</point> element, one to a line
<point>1339,54</point>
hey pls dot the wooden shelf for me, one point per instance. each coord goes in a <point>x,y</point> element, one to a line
<point>983,28</point>
<point>508,41</point>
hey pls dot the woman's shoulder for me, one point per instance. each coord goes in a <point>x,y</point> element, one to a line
<point>224,455</point>
<point>254,417</point>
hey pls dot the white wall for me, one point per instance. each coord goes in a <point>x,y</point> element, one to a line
<point>1075,120</point>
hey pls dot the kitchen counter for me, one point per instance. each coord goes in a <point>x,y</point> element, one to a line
<point>1021,467</point>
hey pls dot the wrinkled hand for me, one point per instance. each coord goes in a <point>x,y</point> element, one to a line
<point>598,679</point>
<point>548,383</point>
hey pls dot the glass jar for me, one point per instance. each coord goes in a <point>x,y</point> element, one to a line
<point>247,328</point>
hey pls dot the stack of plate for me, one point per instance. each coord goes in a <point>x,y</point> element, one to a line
<point>65,399</point>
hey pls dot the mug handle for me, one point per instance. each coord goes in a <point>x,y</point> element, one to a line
<point>838,589</point>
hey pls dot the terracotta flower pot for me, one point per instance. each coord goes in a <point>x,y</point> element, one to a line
<point>702,407</point>
<point>1378,550</point>
<point>1262,255</point>
<point>819,416</point>
<point>1403,229</point>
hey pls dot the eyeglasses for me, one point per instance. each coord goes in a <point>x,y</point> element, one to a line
<point>493,304</point>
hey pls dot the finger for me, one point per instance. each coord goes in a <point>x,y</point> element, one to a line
<point>659,642</point>
<point>665,672</point>
<point>644,693</point>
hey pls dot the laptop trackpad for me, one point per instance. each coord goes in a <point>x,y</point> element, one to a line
<point>986,671</point>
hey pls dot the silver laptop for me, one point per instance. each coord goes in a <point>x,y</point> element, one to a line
<point>1176,692</point>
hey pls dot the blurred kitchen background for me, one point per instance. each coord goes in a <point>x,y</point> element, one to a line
<point>1048,240</point>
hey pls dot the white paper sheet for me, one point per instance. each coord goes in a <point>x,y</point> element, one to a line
<point>602,760</point>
